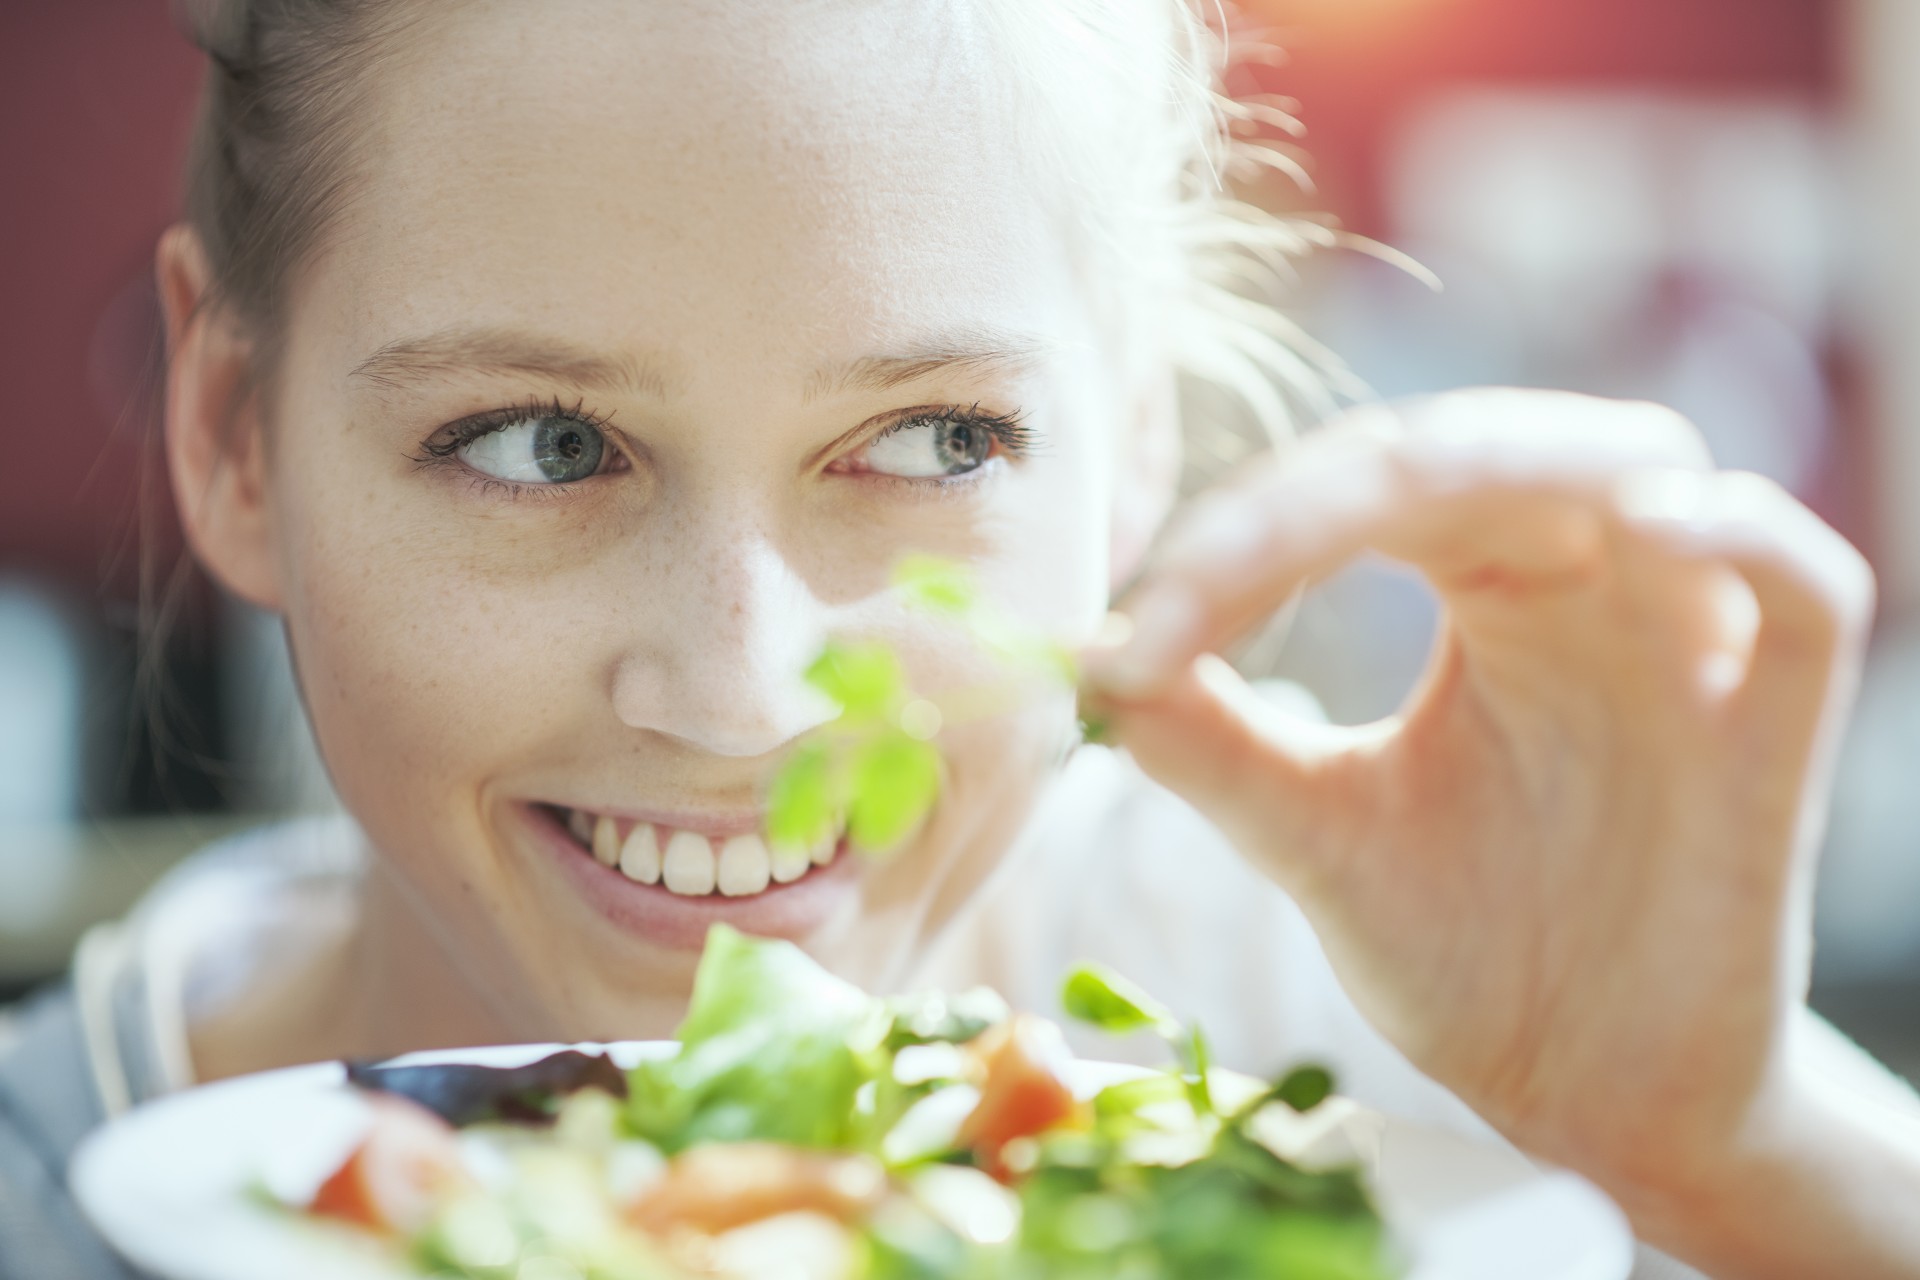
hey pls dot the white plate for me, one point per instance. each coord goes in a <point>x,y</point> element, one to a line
<point>173,1185</point>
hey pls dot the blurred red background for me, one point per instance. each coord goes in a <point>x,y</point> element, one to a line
<point>97,95</point>
<point>1360,67</point>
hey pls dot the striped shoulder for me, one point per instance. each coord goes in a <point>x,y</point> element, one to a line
<point>46,1106</point>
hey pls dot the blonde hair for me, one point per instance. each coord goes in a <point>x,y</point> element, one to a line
<point>1147,138</point>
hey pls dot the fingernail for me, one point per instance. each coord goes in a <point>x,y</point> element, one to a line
<point>1115,630</point>
<point>1162,625</point>
<point>1672,497</point>
<point>1218,677</point>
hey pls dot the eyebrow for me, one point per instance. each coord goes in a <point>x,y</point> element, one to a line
<point>397,365</point>
<point>453,351</point>
<point>967,351</point>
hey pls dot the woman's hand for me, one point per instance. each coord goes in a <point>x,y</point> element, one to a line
<point>1572,880</point>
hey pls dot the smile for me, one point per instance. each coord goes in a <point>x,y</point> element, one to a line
<point>693,864</point>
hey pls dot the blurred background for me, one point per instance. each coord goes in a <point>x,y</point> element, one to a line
<point>1706,203</point>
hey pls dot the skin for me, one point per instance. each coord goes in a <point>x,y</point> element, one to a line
<point>1570,881</point>
<point>637,639</point>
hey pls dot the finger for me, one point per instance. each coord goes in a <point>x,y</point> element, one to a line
<point>1485,492</point>
<point>1814,590</point>
<point>1269,779</point>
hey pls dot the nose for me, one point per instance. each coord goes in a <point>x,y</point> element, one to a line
<point>719,656</point>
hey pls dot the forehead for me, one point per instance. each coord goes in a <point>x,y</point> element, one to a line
<point>795,176</point>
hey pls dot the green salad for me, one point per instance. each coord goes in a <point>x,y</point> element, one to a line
<point>807,1131</point>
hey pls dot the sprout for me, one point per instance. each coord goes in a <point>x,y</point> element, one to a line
<point>875,764</point>
<point>1102,998</point>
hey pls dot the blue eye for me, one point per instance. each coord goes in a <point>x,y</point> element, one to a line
<point>924,448</point>
<point>542,450</point>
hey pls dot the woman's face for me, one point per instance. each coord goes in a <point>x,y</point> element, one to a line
<point>692,262</point>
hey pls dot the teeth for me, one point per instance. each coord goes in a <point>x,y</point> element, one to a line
<point>744,866</point>
<point>687,862</point>
<point>606,842</point>
<point>790,862</point>
<point>580,823</point>
<point>640,855</point>
<point>688,865</point>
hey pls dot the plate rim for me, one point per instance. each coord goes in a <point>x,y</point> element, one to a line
<point>96,1177</point>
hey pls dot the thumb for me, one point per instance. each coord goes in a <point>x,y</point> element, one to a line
<point>1287,790</point>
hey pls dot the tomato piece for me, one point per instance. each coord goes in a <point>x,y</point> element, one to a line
<point>1023,1090</point>
<point>398,1175</point>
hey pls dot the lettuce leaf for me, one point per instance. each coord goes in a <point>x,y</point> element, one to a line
<point>774,1048</point>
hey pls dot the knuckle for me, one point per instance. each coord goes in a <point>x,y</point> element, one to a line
<point>1837,576</point>
<point>1856,589</point>
<point>1752,484</point>
<point>1671,433</point>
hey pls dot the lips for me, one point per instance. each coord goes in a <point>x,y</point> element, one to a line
<point>667,884</point>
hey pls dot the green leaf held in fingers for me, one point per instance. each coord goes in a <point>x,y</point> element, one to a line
<point>874,764</point>
<point>936,585</point>
<point>805,803</point>
<point>863,678</point>
<point>947,588</point>
<point>896,778</point>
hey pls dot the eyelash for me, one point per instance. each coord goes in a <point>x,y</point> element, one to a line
<point>442,448</point>
<point>1015,438</point>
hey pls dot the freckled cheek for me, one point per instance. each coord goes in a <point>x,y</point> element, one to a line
<point>425,679</point>
<point>1056,571</point>
<point>1024,721</point>
<point>1001,753</point>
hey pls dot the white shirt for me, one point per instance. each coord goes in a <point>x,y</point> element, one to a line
<point>1116,869</point>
